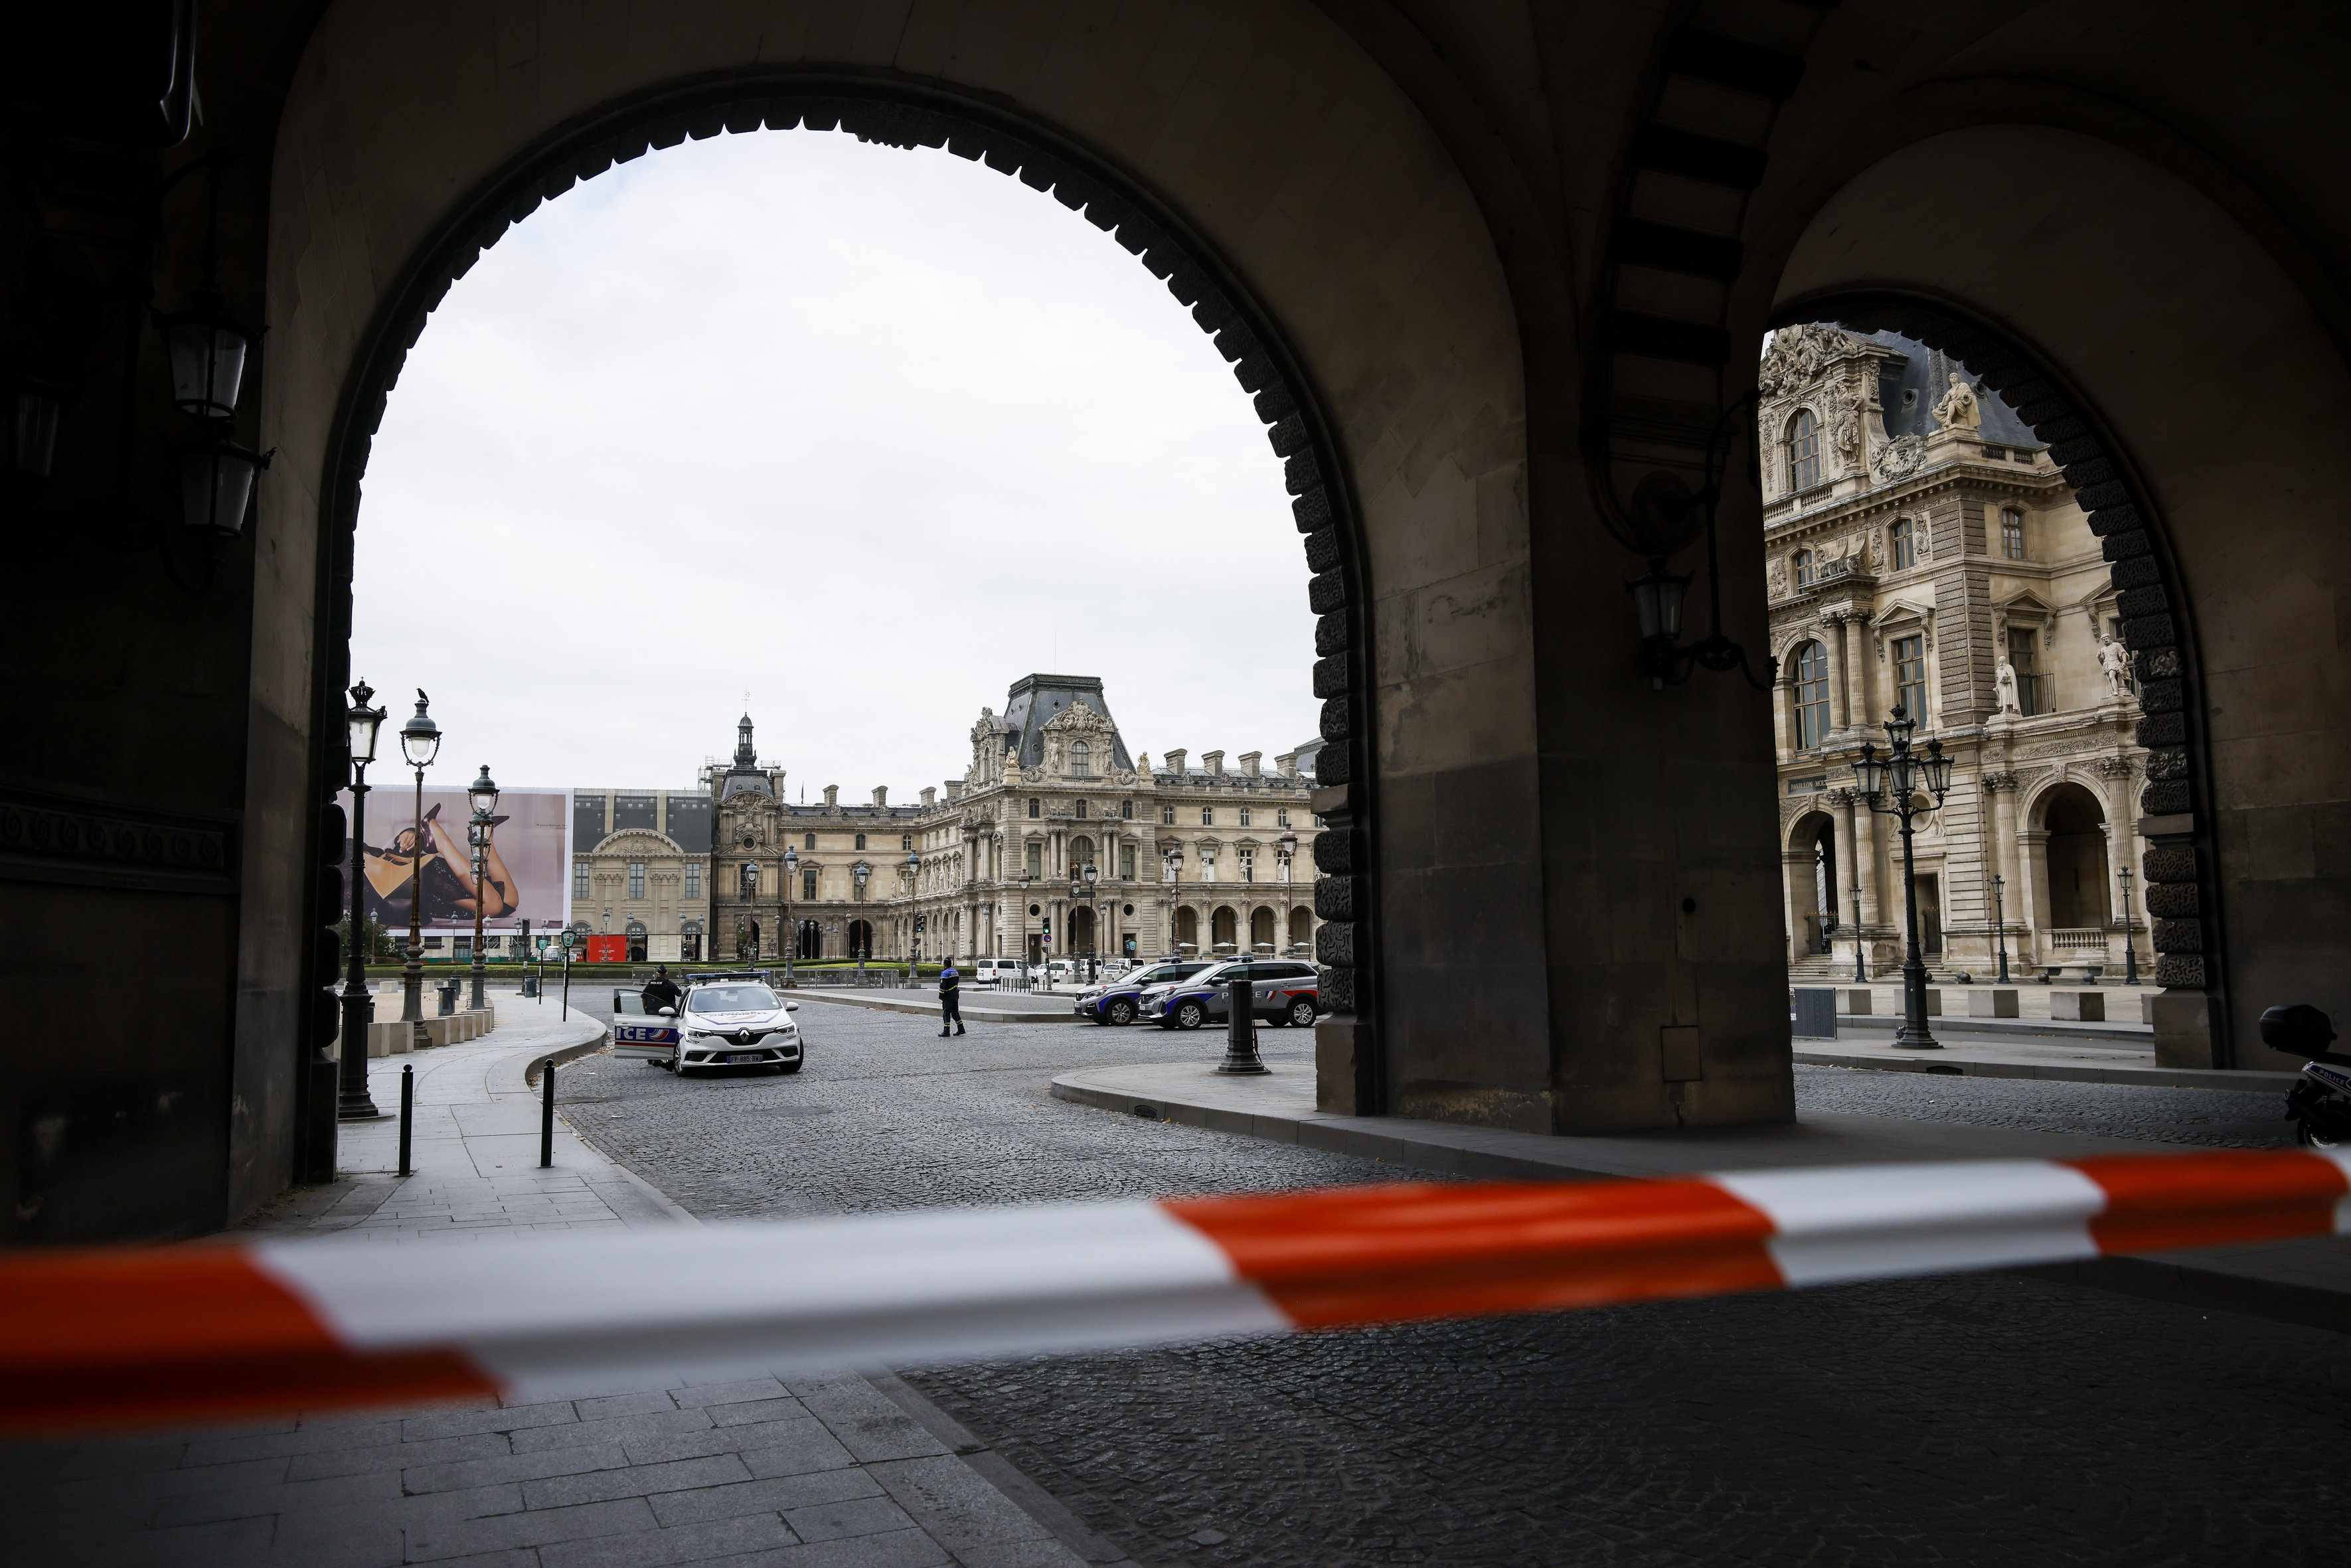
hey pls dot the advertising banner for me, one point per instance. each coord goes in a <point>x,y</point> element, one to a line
<point>529,876</point>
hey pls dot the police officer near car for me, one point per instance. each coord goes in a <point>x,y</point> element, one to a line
<point>950,1006</point>
<point>661,991</point>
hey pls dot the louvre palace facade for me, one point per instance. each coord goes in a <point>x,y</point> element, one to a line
<point>1923,552</point>
<point>1200,858</point>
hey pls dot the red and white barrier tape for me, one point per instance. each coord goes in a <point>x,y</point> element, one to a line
<point>120,1336</point>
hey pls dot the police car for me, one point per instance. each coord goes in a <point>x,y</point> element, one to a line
<point>1281,991</point>
<point>1118,1001</point>
<point>724,1020</point>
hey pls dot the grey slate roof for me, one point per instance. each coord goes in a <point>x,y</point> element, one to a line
<point>1035,699</point>
<point>1926,375</point>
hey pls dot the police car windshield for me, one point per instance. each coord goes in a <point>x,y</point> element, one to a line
<point>730,999</point>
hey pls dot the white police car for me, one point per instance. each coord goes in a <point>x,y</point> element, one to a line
<point>723,1020</point>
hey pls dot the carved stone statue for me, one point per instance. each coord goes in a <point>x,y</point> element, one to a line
<point>1799,354</point>
<point>2114,660</point>
<point>2006,682</point>
<point>1899,459</point>
<point>1779,576</point>
<point>1958,411</point>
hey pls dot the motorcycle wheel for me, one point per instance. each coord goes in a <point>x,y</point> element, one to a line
<point>1122,1013</point>
<point>2310,1140</point>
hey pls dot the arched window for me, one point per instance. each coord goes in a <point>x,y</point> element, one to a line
<point>1803,450</point>
<point>810,841</point>
<point>1082,850</point>
<point>860,841</point>
<point>1812,695</point>
<point>1082,757</point>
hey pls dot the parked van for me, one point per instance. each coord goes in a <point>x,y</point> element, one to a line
<point>996,971</point>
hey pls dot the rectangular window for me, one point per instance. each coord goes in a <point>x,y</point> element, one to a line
<point>580,886</point>
<point>1036,807</point>
<point>1167,816</point>
<point>636,879</point>
<point>1910,677</point>
<point>1207,816</point>
<point>808,885</point>
<point>1126,861</point>
<point>1036,860</point>
<point>1127,811</point>
<point>1811,682</point>
<point>905,841</point>
<point>860,841</point>
<point>693,879</point>
<point>2029,699</point>
<point>1281,816</point>
<point>1245,821</point>
<point>809,843</point>
<point>1249,864</point>
<point>1082,811</point>
<point>2011,534</point>
<point>1902,541</point>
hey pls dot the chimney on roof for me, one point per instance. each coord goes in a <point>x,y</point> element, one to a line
<point>955,790</point>
<point>1288,763</point>
<point>1175,761</point>
<point>1249,762</point>
<point>832,797</point>
<point>930,797</point>
<point>1214,761</point>
<point>880,794</point>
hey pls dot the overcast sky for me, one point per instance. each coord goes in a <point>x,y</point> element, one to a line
<point>853,435</point>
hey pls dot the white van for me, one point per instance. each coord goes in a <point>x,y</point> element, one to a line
<point>996,971</point>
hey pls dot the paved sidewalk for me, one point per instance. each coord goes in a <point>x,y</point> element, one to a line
<point>978,1006</point>
<point>2302,1281</point>
<point>2037,1055</point>
<point>842,1470</point>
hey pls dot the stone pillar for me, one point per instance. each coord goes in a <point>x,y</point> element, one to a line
<point>1841,899</point>
<point>2033,885</point>
<point>1796,883</point>
<point>1842,714</point>
<point>1867,853</point>
<point>2121,847</point>
<point>2000,797</point>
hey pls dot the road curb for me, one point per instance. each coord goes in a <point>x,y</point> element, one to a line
<point>2245,1082</point>
<point>563,1053</point>
<point>971,1014</point>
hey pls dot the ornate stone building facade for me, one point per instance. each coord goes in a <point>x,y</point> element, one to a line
<point>1923,552</point>
<point>1207,859</point>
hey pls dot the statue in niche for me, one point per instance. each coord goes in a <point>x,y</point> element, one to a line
<point>1053,754</point>
<point>2114,662</point>
<point>1848,427</point>
<point>2005,685</point>
<point>1958,410</point>
<point>1779,576</point>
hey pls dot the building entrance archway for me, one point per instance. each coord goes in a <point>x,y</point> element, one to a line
<point>1081,932</point>
<point>1187,931</point>
<point>860,939</point>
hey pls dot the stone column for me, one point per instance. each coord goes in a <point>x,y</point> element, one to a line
<point>1796,882</point>
<point>1842,714</point>
<point>2122,845</point>
<point>1840,802</point>
<point>2033,886</point>
<point>1865,836</point>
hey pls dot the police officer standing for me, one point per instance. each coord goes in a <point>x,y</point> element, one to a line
<point>661,991</point>
<point>950,1007</point>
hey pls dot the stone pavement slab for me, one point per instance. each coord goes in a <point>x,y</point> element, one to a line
<point>2028,1055</point>
<point>2302,1281</point>
<point>806,1471</point>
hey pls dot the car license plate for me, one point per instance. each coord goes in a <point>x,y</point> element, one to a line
<point>742,1056</point>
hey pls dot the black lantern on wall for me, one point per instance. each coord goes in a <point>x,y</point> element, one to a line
<point>209,353</point>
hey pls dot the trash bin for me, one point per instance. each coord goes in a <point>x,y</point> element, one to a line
<point>530,985</point>
<point>449,990</point>
<point>1813,1012</point>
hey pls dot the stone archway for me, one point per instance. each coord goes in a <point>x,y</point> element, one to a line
<point>1262,929</point>
<point>1188,932</point>
<point>1224,931</point>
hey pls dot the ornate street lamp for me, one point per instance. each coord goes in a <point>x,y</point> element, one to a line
<point>420,743</point>
<point>1999,921</point>
<point>1860,958</point>
<point>2130,949</point>
<point>1901,774</point>
<point>1175,860</point>
<point>862,872</point>
<point>913,943</point>
<point>1094,961</point>
<point>791,927</point>
<point>749,881</point>
<point>353,1103</point>
<point>483,796</point>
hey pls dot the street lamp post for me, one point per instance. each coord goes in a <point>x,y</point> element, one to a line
<point>750,884</point>
<point>913,941</point>
<point>2130,949</point>
<point>1901,771</point>
<point>861,871</point>
<point>484,796</point>
<point>792,929</point>
<point>1285,850</point>
<point>1860,957</point>
<point>1093,905</point>
<point>353,1103</point>
<point>420,742</point>
<point>1174,860</point>
<point>1999,922</point>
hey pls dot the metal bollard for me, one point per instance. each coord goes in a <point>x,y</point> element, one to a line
<point>547,1117</point>
<point>1241,1034</point>
<point>407,1104</point>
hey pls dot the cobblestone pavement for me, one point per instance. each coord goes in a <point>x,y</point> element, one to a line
<point>2210,1117</point>
<point>1986,1419</point>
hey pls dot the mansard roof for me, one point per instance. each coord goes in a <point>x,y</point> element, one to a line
<point>1035,701</point>
<point>1920,376</point>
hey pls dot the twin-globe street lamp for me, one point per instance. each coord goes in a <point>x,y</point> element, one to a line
<point>352,1101</point>
<point>914,926</point>
<point>861,871</point>
<point>790,931</point>
<point>1174,860</point>
<point>1901,771</point>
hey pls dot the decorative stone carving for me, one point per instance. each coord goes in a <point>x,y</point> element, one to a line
<point>2004,681</point>
<point>2114,767</point>
<point>1800,353</point>
<point>1900,457</point>
<point>2114,662</point>
<point>1994,783</point>
<point>1779,576</point>
<point>1958,409</point>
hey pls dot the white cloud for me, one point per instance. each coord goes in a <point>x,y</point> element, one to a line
<point>864,432</point>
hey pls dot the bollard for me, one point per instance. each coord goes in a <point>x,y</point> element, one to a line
<point>1240,1034</point>
<point>546,1118</point>
<point>407,1104</point>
